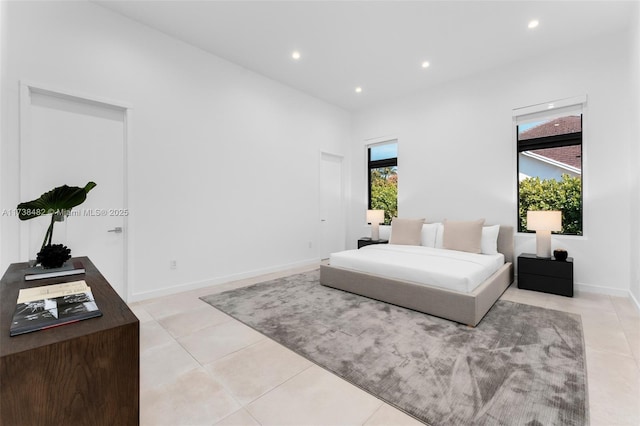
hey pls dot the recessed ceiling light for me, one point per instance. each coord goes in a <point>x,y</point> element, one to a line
<point>425,64</point>
<point>550,106</point>
<point>295,55</point>
<point>534,23</point>
<point>358,89</point>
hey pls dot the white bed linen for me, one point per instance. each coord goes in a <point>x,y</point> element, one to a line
<point>450,269</point>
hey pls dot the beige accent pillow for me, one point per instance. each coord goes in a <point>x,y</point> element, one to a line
<point>406,231</point>
<point>463,236</point>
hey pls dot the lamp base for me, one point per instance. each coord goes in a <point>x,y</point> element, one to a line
<point>375,231</point>
<point>543,244</point>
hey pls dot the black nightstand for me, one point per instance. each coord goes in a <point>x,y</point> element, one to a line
<point>367,241</point>
<point>546,275</point>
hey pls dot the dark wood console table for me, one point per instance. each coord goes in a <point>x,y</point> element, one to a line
<point>82,373</point>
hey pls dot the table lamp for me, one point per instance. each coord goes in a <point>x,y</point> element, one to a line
<point>375,218</point>
<point>543,222</point>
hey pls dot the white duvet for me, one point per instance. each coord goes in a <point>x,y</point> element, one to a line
<point>450,269</point>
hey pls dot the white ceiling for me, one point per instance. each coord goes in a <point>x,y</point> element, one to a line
<point>378,45</point>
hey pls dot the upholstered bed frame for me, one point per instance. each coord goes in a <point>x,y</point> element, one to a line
<point>465,308</point>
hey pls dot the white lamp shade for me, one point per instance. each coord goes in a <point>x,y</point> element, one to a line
<point>375,217</point>
<point>544,220</point>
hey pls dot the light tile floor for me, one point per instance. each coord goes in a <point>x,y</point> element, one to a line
<point>202,367</point>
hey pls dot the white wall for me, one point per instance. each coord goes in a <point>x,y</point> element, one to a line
<point>634,157</point>
<point>223,163</point>
<point>457,152</point>
<point>3,106</point>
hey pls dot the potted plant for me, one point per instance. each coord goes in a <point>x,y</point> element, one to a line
<point>57,202</point>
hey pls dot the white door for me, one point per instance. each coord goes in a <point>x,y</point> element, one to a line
<point>332,217</point>
<point>71,140</point>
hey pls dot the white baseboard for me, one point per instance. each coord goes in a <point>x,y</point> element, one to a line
<point>195,285</point>
<point>635,301</point>
<point>588,288</point>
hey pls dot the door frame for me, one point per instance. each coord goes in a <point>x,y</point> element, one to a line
<point>26,89</point>
<point>343,207</point>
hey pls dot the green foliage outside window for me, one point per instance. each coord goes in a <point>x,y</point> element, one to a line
<point>384,192</point>
<point>550,194</point>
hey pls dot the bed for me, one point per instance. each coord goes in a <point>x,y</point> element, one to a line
<point>466,303</point>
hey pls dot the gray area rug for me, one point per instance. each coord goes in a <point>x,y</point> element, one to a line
<point>522,365</point>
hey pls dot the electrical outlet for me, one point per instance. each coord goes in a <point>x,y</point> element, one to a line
<point>173,264</point>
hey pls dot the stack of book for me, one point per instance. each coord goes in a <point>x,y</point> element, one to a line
<point>39,273</point>
<point>49,306</point>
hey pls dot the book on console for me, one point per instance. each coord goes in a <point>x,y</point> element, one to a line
<point>50,306</point>
<point>69,268</point>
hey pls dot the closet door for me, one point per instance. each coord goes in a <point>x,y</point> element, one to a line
<point>71,140</point>
<point>332,216</point>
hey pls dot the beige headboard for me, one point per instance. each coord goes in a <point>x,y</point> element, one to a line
<point>505,242</point>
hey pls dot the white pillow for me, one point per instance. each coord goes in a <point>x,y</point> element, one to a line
<point>429,232</point>
<point>385,232</point>
<point>439,235</point>
<point>490,239</point>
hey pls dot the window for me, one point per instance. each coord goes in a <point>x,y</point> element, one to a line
<point>550,168</point>
<point>383,179</point>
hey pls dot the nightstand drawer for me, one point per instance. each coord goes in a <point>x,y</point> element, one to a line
<point>546,267</point>
<point>545,284</point>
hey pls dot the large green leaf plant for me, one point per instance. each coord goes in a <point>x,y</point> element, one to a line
<point>57,202</point>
